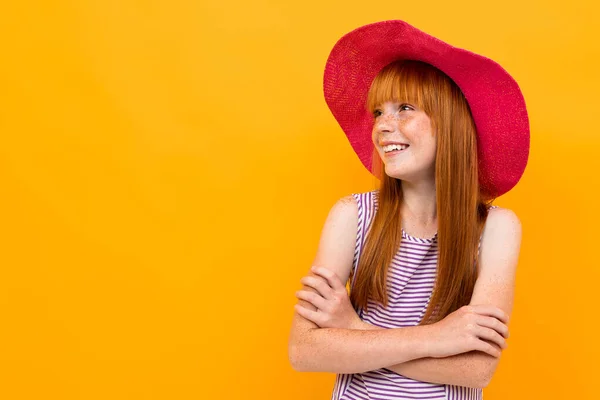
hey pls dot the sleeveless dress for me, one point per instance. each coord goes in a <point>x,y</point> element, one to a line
<point>410,285</point>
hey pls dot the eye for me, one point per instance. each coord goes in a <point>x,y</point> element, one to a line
<point>377,112</point>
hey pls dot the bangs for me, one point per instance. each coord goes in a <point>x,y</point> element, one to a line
<point>402,81</point>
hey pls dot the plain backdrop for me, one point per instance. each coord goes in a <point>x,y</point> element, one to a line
<point>166,168</point>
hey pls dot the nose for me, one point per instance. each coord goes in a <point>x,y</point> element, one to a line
<point>385,123</point>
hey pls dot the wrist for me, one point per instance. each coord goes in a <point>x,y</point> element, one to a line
<point>427,343</point>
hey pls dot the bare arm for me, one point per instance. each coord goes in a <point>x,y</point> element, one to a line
<point>348,351</point>
<point>353,351</point>
<point>467,369</point>
<point>311,348</point>
<point>495,285</point>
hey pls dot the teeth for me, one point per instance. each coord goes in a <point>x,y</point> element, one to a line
<point>393,147</point>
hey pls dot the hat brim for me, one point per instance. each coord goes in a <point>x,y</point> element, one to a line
<point>494,97</point>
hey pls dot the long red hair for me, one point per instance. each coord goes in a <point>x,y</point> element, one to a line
<point>461,209</point>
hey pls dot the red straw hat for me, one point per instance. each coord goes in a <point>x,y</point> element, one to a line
<point>495,100</point>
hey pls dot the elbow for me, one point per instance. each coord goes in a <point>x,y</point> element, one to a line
<point>480,381</point>
<point>484,377</point>
<point>483,381</point>
<point>297,359</point>
<point>304,355</point>
<point>294,357</point>
<point>477,370</point>
<point>301,351</point>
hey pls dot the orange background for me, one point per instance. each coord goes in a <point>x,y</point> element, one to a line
<point>166,168</point>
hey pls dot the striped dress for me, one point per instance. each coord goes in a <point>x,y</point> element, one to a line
<point>409,284</point>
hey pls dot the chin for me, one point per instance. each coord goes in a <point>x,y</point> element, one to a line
<point>394,173</point>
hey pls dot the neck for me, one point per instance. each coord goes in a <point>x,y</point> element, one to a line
<point>419,205</point>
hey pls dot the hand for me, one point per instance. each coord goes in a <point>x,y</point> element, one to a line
<point>334,309</point>
<point>465,329</point>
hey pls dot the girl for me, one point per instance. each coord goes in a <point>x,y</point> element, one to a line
<point>430,262</point>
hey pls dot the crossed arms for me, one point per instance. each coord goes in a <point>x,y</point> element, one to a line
<point>406,350</point>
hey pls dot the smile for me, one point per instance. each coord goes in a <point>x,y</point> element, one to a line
<point>395,152</point>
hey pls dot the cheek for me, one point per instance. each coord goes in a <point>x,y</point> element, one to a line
<point>422,133</point>
<point>423,126</point>
<point>426,148</point>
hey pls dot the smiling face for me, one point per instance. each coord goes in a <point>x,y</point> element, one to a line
<point>404,122</point>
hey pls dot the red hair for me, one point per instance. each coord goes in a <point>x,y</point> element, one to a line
<point>461,209</point>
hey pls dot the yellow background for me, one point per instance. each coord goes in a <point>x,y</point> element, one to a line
<point>166,168</point>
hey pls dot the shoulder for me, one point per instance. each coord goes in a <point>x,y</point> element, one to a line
<point>502,222</point>
<point>350,203</point>
<point>345,206</point>
<point>347,201</point>
<point>501,239</point>
<point>342,219</point>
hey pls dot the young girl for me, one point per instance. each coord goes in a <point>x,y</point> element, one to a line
<point>430,262</point>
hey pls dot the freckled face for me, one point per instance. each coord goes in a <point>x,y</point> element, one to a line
<point>405,123</point>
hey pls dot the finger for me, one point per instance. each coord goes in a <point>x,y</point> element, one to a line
<point>494,323</point>
<point>487,348</point>
<point>332,279</point>
<point>312,298</point>
<point>312,316</point>
<point>319,284</point>
<point>492,336</point>
<point>492,311</point>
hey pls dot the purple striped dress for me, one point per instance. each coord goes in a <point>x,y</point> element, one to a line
<point>409,284</point>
